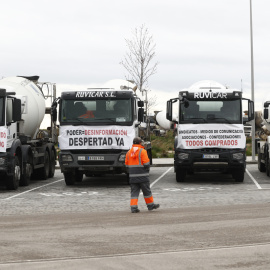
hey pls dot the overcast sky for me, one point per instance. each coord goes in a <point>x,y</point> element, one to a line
<point>79,44</point>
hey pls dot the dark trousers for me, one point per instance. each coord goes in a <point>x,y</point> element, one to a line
<point>135,192</point>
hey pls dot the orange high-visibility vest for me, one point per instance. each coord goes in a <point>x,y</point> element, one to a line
<point>138,164</point>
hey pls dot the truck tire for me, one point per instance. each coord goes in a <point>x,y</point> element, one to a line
<point>52,165</point>
<point>261,166</point>
<point>267,166</point>
<point>69,178</point>
<point>238,175</point>
<point>78,177</point>
<point>26,176</point>
<point>127,178</point>
<point>149,153</point>
<point>180,175</point>
<point>44,172</point>
<point>12,182</point>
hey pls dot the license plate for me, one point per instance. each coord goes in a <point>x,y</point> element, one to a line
<point>96,158</point>
<point>210,156</point>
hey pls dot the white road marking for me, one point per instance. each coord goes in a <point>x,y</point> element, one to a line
<point>160,177</point>
<point>252,178</point>
<point>17,195</point>
<point>52,194</point>
<point>192,189</point>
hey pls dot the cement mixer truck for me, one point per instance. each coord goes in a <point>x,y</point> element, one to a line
<point>25,150</point>
<point>210,132</point>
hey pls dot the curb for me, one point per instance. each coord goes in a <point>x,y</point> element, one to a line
<point>252,162</point>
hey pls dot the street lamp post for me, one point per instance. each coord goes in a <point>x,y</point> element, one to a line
<point>252,82</point>
<point>146,114</point>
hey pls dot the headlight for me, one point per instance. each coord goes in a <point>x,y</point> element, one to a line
<point>238,156</point>
<point>183,156</point>
<point>122,157</point>
<point>66,158</point>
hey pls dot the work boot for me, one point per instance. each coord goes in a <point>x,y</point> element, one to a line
<point>135,210</point>
<point>153,206</point>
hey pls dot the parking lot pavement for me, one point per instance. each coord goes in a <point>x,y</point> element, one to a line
<point>201,237</point>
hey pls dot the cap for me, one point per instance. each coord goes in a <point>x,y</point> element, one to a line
<point>137,140</point>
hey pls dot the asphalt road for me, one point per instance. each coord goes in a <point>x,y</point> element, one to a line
<point>207,222</point>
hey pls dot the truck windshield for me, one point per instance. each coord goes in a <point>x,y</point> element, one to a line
<point>94,112</point>
<point>225,111</point>
<point>1,111</point>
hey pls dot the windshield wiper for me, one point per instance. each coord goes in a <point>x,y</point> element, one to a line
<point>107,118</point>
<point>193,118</point>
<point>79,119</point>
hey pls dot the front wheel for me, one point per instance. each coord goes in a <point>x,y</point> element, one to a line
<point>127,178</point>
<point>149,153</point>
<point>69,178</point>
<point>267,166</point>
<point>12,181</point>
<point>79,176</point>
<point>180,175</point>
<point>72,177</point>
<point>52,165</point>
<point>238,175</point>
<point>43,172</point>
<point>26,176</point>
<point>261,166</point>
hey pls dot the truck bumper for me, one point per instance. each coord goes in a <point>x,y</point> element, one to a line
<point>219,160</point>
<point>93,162</point>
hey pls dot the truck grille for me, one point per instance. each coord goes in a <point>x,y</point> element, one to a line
<point>90,162</point>
<point>212,150</point>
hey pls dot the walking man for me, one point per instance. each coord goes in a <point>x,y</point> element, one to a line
<point>138,164</point>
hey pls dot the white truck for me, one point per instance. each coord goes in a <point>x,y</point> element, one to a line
<point>97,128</point>
<point>263,144</point>
<point>25,150</point>
<point>210,131</point>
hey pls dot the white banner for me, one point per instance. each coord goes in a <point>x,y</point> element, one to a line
<point>3,139</point>
<point>198,136</point>
<point>96,137</point>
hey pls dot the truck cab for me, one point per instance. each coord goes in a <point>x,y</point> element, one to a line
<point>10,113</point>
<point>97,128</point>
<point>210,130</point>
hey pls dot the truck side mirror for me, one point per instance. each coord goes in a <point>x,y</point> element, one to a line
<point>186,103</point>
<point>140,114</point>
<point>2,92</point>
<point>140,103</point>
<point>265,113</point>
<point>54,114</point>
<point>16,110</point>
<point>250,110</point>
<point>169,110</point>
